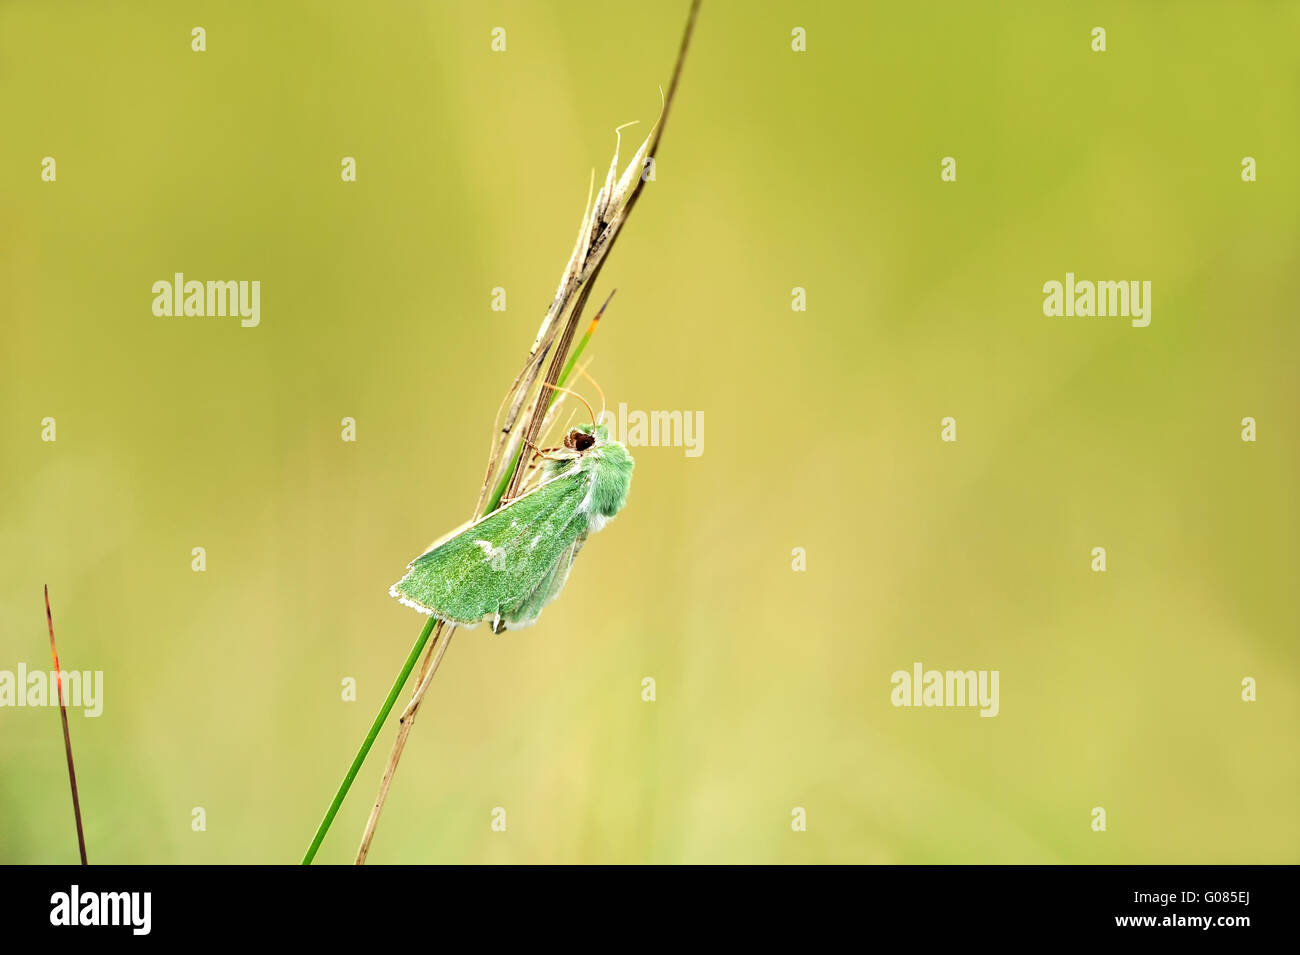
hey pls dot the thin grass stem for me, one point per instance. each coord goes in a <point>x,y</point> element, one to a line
<point>67,737</point>
<point>580,276</point>
<point>368,742</point>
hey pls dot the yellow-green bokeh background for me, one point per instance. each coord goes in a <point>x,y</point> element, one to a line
<point>778,170</point>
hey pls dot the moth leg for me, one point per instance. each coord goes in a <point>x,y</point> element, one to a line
<point>544,452</point>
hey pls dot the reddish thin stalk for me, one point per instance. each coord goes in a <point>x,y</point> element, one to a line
<point>67,736</point>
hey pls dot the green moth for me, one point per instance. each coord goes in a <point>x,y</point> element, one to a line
<point>511,563</point>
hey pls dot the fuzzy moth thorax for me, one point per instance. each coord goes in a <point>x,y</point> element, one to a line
<point>612,479</point>
<point>606,464</point>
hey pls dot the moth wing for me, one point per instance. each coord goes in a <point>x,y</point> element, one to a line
<point>547,589</point>
<point>499,560</point>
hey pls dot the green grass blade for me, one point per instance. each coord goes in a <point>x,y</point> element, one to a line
<point>362,753</point>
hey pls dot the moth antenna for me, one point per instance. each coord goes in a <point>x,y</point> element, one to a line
<point>569,391</point>
<point>572,412</point>
<point>583,372</point>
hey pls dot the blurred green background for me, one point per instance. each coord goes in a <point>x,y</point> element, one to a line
<point>779,169</point>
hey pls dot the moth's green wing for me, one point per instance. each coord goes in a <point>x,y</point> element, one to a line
<point>497,563</point>
<point>547,589</point>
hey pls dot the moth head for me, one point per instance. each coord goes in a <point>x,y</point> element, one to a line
<point>584,437</point>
